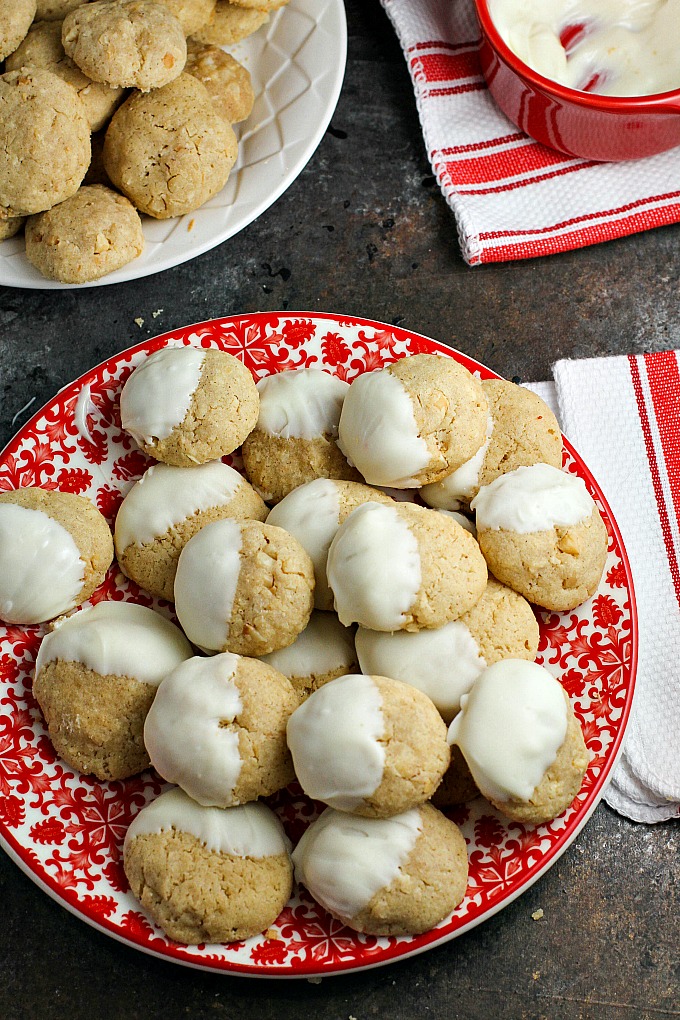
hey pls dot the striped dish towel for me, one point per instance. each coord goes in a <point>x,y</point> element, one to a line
<point>512,197</point>
<point>623,416</point>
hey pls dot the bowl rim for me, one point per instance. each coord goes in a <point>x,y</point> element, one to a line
<point>657,102</point>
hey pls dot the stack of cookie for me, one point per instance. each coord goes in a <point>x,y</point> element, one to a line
<point>112,109</point>
<point>355,639</point>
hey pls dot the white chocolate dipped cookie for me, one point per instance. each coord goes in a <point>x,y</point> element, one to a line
<point>167,507</point>
<point>244,587</point>
<point>521,740</point>
<point>413,422</point>
<point>186,406</point>
<point>384,876</point>
<point>217,729</point>
<point>208,874</point>
<point>542,535</point>
<point>55,548</point>
<point>403,567</point>
<point>294,440</point>
<point>313,513</point>
<point>95,678</point>
<point>323,651</point>
<point>368,745</point>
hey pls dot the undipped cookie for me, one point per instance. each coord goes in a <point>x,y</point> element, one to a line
<point>323,651</point>
<point>230,24</point>
<point>228,82</point>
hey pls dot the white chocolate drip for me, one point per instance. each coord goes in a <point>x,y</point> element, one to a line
<point>41,572</point>
<point>374,568</point>
<point>156,397</point>
<point>117,639</point>
<point>323,647</point>
<point>345,860</point>
<point>535,498</point>
<point>302,404</point>
<point>510,728</point>
<point>205,584</point>
<point>334,740</point>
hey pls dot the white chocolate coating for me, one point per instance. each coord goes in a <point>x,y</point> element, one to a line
<point>302,404</point>
<point>250,830</point>
<point>156,396</point>
<point>205,583</point>
<point>311,514</point>
<point>378,431</point>
<point>374,568</point>
<point>334,740</point>
<point>443,663</point>
<point>510,728</point>
<point>535,498</point>
<point>118,639</point>
<point>165,496</point>
<point>345,860</point>
<point>458,488</point>
<point>41,572</point>
<point>322,647</point>
<point>186,732</point>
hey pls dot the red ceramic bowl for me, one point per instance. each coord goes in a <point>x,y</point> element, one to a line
<point>576,123</point>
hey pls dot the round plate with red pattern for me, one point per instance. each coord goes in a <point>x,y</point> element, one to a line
<point>66,830</point>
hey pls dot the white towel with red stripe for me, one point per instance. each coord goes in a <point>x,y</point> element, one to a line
<point>623,416</point>
<point>512,197</point>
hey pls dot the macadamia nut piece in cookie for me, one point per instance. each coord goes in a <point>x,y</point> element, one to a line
<point>542,535</point>
<point>95,679</point>
<point>44,141</point>
<point>169,151</point>
<point>323,651</point>
<point>217,729</point>
<point>167,507</point>
<point>313,513</point>
<point>208,874</point>
<point>384,876</point>
<point>402,567</point>
<point>244,587</point>
<point>128,43</point>
<point>228,82</point>
<point>16,17</point>
<point>186,405</point>
<point>521,740</point>
<point>413,422</point>
<point>55,549</point>
<point>93,233</point>
<point>369,745</point>
<point>294,440</point>
<point>230,24</point>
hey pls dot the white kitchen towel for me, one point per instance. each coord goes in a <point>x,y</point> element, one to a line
<point>623,416</point>
<point>512,197</point>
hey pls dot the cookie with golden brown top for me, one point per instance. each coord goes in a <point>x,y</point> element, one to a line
<point>227,81</point>
<point>230,24</point>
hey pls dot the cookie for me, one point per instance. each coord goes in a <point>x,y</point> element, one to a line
<point>413,422</point>
<point>402,567</point>
<point>323,651</point>
<point>16,17</point>
<point>208,874</point>
<point>368,745</point>
<point>193,15</point>
<point>228,82</point>
<point>44,141</point>
<point>93,233</point>
<point>522,431</point>
<point>55,549</point>
<point>167,507</point>
<point>384,876</point>
<point>55,10</point>
<point>230,24</point>
<point>42,47</point>
<point>542,535</point>
<point>186,406</point>
<point>522,742</point>
<point>244,587</point>
<point>95,679</point>
<point>313,513</point>
<point>457,785</point>
<point>217,729</point>
<point>127,43</point>
<point>8,228</point>
<point>294,440</point>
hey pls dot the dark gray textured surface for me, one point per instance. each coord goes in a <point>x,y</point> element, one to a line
<point>365,231</point>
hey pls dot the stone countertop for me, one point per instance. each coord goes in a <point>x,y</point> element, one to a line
<point>365,231</point>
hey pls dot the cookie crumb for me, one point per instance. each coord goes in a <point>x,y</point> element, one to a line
<point>536,975</point>
<point>191,224</point>
<point>537,914</point>
<point>157,313</point>
<point>314,980</point>
<point>140,321</point>
<point>272,934</point>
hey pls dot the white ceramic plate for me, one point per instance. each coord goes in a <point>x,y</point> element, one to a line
<point>297,64</point>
